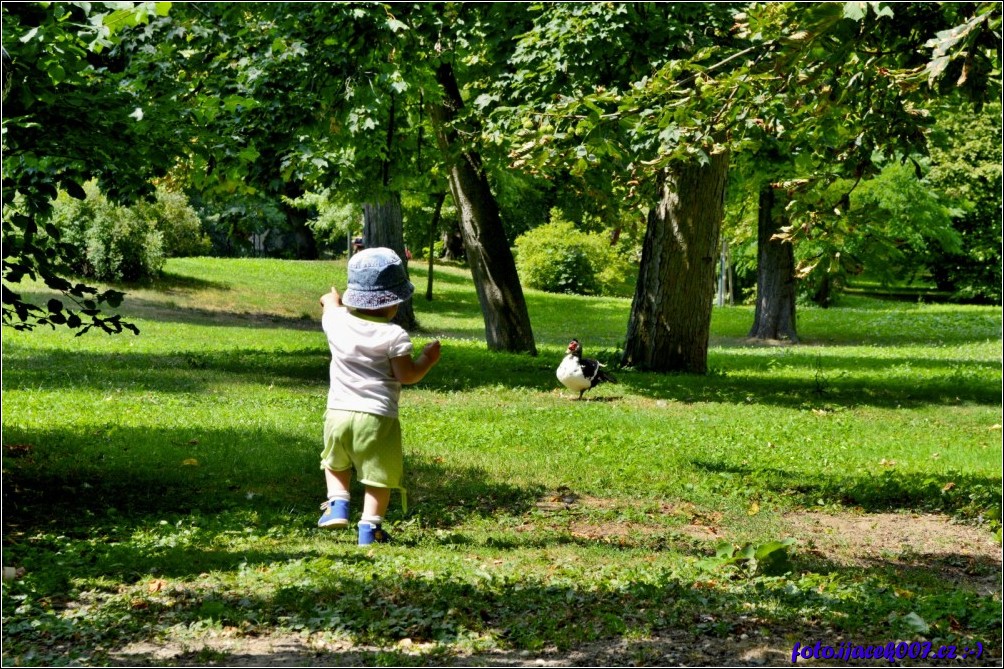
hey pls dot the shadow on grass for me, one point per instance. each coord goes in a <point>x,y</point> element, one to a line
<point>167,311</point>
<point>191,371</point>
<point>140,478</point>
<point>888,490</point>
<point>836,380</point>
<point>357,599</point>
<point>169,282</point>
<point>137,519</point>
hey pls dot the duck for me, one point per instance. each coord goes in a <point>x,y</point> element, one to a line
<point>578,373</point>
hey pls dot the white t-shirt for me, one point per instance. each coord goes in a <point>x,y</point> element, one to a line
<point>361,374</point>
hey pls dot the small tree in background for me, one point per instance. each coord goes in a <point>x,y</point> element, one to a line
<point>966,167</point>
<point>893,227</point>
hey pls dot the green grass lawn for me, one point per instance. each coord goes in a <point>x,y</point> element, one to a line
<point>166,486</point>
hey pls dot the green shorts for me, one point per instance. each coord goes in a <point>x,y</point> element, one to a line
<point>370,443</point>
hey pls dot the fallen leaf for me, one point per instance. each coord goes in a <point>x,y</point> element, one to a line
<point>190,462</point>
<point>948,486</point>
<point>156,585</point>
<point>754,509</point>
<point>11,573</point>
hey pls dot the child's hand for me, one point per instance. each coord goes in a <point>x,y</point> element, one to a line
<point>332,299</point>
<point>431,351</point>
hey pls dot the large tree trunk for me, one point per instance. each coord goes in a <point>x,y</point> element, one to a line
<point>383,226</point>
<point>775,288</point>
<point>507,322</point>
<point>671,313</point>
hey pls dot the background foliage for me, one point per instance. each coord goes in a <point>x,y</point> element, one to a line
<point>561,258</point>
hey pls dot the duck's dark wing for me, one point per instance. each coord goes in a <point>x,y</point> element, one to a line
<point>590,368</point>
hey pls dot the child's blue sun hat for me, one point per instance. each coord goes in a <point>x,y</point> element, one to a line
<point>376,280</point>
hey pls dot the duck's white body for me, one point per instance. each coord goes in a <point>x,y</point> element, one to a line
<point>581,374</point>
<point>571,376</point>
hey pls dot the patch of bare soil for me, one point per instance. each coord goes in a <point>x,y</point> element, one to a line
<point>966,555</point>
<point>671,649</point>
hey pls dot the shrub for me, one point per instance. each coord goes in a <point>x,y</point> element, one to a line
<point>106,241</point>
<point>177,222</point>
<point>558,258</point>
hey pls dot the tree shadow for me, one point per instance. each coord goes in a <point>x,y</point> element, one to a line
<point>169,282</point>
<point>341,596</point>
<point>93,477</point>
<point>111,500</point>
<point>167,311</point>
<point>837,381</point>
<point>979,574</point>
<point>888,490</point>
<point>182,372</point>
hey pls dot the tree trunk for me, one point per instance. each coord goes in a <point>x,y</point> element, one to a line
<point>433,226</point>
<point>303,236</point>
<point>507,322</point>
<point>671,313</point>
<point>775,288</point>
<point>383,226</point>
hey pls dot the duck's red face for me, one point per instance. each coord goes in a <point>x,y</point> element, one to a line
<point>573,346</point>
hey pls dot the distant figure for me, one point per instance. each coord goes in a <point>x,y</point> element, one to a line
<point>357,245</point>
<point>370,359</point>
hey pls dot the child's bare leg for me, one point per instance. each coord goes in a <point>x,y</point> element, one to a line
<point>375,503</point>
<point>338,483</point>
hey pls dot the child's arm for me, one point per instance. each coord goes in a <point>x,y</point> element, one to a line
<point>332,299</point>
<point>409,371</point>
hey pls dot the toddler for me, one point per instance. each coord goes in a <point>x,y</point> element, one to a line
<point>370,359</point>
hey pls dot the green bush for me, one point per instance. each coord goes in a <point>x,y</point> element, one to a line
<point>558,258</point>
<point>106,241</point>
<point>177,222</point>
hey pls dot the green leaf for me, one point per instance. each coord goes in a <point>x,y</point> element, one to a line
<point>123,18</point>
<point>765,550</point>
<point>249,155</point>
<point>73,189</point>
<point>725,549</point>
<point>855,10</point>
<point>915,623</point>
<point>882,9</point>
